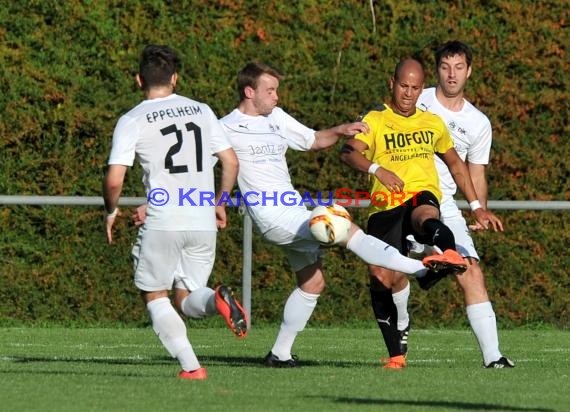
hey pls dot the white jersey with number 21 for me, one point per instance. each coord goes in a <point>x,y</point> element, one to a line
<point>174,138</point>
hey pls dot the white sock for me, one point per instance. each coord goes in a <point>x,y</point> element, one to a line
<point>199,303</point>
<point>484,324</point>
<point>401,301</point>
<point>376,252</point>
<point>298,309</point>
<point>171,330</point>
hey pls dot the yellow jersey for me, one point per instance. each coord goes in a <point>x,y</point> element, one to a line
<point>405,146</point>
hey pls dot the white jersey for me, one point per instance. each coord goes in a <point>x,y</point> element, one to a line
<point>260,143</point>
<point>470,130</point>
<point>173,138</point>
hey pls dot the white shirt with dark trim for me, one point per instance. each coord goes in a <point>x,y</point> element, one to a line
<point>261,143</point>
<point>470,130</point>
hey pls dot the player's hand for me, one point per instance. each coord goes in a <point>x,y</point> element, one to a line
<point>221,217</point>
<point>351,129</point>
<point>139,215</point>
<point>488,219</point>
<point>108,224</point>
<point>390,179</point>
<point>476,227</point>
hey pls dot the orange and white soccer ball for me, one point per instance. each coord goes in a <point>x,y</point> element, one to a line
<point>330,225</point>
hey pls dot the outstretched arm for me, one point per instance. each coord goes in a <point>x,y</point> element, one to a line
<point>328,137</point>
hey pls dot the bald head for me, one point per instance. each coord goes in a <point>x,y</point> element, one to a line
<point>406,86</point>
<point>409,67</point>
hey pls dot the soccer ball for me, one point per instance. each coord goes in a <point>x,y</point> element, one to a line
<point>330,224</point>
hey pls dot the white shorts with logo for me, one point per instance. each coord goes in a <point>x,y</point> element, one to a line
<point>163,259</point>
<point>291,232</point>
<point>450,216</point>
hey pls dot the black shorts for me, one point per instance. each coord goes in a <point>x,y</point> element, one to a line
<point>394,225</point>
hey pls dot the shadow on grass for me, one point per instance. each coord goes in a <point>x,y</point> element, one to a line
<point>157,360</point>
<point>258,361</point>
<point>151,360</point>
<point>441,404</point>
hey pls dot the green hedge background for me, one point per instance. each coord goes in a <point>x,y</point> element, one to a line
<point>67,71</point>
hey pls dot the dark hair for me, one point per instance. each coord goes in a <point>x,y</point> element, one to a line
<point>158,64</point>
<point>453,48</point>
<point>250,74</point>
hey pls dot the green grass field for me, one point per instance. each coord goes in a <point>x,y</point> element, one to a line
<point>104,369</point>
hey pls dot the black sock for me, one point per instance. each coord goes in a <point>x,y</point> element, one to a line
<point>386,315</point>
<point>440,235</point>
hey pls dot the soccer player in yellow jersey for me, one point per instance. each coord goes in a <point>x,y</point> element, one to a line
<point>399,153</point>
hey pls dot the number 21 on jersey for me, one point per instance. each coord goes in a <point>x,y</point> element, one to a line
<point>175,148</point>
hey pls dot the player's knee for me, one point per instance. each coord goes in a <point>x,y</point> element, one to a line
<point>381,279</point>
<point>311,279</point>
<point>314,286</point>
<point>400,281</point>
<point>472,277</point>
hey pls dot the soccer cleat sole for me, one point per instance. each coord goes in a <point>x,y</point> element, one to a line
<point>449,260</point>
<point>232,312</point>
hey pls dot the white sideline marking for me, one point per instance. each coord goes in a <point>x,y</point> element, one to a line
<point>65,358</point>
<point>82,345</point>
<point>431,360</point>
<point>86,345</point>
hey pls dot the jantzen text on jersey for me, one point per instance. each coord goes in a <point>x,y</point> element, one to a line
<point>267,149</point>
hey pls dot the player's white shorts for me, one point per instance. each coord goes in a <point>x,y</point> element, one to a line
<point>165,258</point>
<point>450,216</point>
<point>291,232</point>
